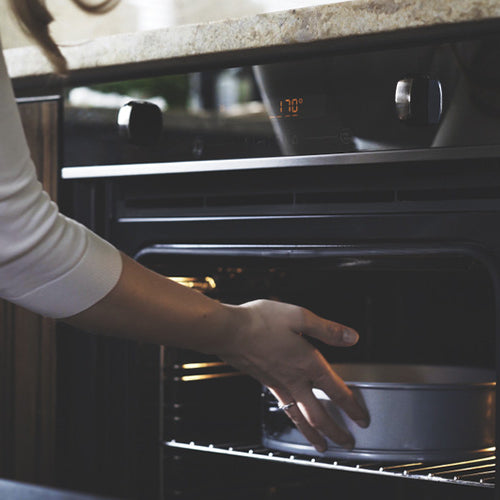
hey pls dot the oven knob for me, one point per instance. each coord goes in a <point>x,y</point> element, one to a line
<point>419,100</point>
<point>140,123</point>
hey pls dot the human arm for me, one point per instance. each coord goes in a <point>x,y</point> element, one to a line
<point>262,338</point>
<point>55,266</point>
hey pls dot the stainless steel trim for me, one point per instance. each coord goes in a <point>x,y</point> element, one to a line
<point>356,251</point>
<point>182,167</point>
<point>408,471</point>
<point>220,218</point>
<point>338,159</point>
<point>29,100</point>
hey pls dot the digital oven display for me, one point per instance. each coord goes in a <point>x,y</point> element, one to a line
<point>297,106</point>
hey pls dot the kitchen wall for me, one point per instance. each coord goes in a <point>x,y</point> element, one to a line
<point>72,26</point>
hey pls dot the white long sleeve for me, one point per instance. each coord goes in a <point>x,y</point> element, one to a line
<point>49,264</point>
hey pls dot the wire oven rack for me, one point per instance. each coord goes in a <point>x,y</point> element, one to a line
<point>478,472</point>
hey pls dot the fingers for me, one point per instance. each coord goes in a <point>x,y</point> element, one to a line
<point>312,420</point>
<point>298,419</point>
<point>327,331</point>
<point>319,419</point>
<point>335,388</point>
<point>322,374</point>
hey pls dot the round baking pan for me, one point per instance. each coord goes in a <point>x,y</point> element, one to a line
<point>417,413</point>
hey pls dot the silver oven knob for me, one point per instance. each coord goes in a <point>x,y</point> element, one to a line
<point>419,100</point>
<point>140,123</point>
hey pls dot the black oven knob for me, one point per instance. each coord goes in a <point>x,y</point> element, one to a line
<point>140,123</point>
<point>419,100</point>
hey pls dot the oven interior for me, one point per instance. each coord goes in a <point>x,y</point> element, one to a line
<point>416,307</point>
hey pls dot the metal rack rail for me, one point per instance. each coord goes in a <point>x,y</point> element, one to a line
<point>478,472</point>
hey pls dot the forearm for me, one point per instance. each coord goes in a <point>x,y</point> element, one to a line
<point>259,338</point>
<point>148,307</point>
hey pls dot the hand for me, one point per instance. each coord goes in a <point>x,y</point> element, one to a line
<point>269,345</point>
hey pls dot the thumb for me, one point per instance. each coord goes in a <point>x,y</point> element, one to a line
<point>329,332</point>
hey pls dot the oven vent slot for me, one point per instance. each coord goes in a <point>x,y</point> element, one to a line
<point>242,202</point>
<point>177,205</point>
<point>479,472</point>
<point>472,193</point>
<point>167,202</point>
<point>250,200</point>
<point>209,201</point>
<point>346,197</point>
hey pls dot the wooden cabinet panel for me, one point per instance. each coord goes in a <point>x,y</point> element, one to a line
<point>27,340</point>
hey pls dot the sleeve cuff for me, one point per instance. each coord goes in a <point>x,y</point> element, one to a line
<point>95,275</point>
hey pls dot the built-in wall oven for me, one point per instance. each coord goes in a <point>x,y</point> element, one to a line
<point>361,182</point>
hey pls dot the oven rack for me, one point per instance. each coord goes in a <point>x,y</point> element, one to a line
<point>478,472</point>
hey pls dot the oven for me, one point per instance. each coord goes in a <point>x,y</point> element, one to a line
<point>361,183</point>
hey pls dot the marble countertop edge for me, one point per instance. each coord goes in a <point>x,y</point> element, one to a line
<point>272,30</point>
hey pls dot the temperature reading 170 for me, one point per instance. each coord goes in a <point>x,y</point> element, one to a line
<point>291,105</point>
<point>285,107</point>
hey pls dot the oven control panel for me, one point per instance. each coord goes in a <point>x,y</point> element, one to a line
<point>429,96</point>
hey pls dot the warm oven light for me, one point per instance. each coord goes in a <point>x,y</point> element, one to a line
<point>193,378</point>
<point>201,284</point>
<point>195,366</point>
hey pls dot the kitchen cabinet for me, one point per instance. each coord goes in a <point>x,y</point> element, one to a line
<point>27,340</point>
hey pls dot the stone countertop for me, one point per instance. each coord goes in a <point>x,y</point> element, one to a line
<point>118,55</point>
